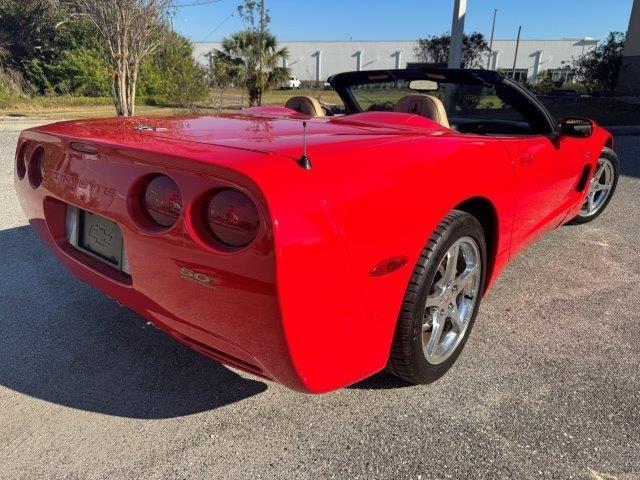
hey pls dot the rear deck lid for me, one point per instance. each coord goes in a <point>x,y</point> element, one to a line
<point>275,133</point>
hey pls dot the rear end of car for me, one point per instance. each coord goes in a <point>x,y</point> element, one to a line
<point>211,229</point>
<point>182,241</point>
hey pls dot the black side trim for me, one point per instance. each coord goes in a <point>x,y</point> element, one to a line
<point>584,178</point>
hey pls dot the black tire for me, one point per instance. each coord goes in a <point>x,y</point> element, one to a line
<point>613,158</point>
<point>407,359</point>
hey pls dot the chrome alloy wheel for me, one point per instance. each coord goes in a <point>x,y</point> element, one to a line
<point>451,300</point>
<point>600,188</point>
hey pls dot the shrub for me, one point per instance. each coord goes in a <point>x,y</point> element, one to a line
<point>435,49</point>
<point>82,72</point>
<point>172,76</point>
<point>598,70</point>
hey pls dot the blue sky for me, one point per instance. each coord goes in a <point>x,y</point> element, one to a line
<point>409,19</point>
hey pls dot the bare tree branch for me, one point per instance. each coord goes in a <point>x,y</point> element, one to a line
<point>130,30</point>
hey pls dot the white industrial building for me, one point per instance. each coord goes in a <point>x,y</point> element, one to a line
<point>317,61</point>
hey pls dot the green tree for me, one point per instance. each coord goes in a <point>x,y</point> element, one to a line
<point>28,31</point>
<point>545,83</point>
<point>171,75</point>
<point>81,72</point>
<point>224,72</point>
<point>48,47</point>
<point>598,69</point>
<point>435,49</point>
<point>81,67</point>
<point>130,31</point>
<point>52,49</point>
<point>255,50</point>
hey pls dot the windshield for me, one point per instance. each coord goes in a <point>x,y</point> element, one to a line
<point>381,96</point>
<point>466,102</point>
<point>475,101</point>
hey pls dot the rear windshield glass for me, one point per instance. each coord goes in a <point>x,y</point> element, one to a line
<point>466,102</point>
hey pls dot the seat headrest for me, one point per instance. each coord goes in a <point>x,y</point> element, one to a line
<point>305,105</point>
<point>425,105</point>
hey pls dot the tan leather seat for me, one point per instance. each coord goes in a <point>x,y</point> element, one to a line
<point>425,105</point>
<point>305,105</point>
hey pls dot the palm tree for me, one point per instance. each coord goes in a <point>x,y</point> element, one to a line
<point>256,53</point>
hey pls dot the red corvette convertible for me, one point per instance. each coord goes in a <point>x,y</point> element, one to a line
<point>310,244</point>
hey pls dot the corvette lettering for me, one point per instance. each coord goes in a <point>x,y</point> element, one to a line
<point>83,183</point>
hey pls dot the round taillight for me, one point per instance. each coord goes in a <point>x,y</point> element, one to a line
<point>233,218</point>
<point>36,167</point>
<point>21,161</point>
<point>161,201</point>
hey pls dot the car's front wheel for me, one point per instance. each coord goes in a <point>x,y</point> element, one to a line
<point>441,300</point>
<point>601,187</point>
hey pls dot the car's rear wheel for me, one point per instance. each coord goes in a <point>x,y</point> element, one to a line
<point>601,187</point>
<point>441,301</point>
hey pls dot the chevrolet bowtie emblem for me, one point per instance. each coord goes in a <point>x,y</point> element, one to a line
<point>100,235</point>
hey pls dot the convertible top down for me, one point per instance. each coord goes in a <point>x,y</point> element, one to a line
<point>317,244</point>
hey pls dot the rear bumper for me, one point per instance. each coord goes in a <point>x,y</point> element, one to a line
<point>235,320</point>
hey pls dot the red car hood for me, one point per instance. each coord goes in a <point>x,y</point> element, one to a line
<point>259,133</point>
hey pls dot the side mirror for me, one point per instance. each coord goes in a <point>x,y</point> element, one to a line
<point>576,127</point>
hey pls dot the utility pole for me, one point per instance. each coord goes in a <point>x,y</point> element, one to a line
<point>209,55</point>
<point>455,47</point>
<point>515,57</point>
<point>493,30</point>
<point>457,33</point>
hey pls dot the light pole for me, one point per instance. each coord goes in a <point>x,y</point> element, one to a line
<point>455,47</point>
<point>515,57</point>
<point>493,30</point>
<point>457,33</point>
<point>209,55</point>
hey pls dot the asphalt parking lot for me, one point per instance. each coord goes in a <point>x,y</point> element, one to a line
<point>547,387</point>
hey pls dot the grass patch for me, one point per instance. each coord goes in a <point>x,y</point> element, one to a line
<point>607,111</point>
<point>45,103</point>
<point>234,99</point>
<point>66,107</point>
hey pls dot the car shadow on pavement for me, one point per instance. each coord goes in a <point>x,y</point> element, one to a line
<point>64,342</point>
<point>381,381</point>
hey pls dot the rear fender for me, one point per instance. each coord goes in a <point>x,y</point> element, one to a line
<point>355,209</point>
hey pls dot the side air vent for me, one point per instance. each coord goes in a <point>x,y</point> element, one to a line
<point>584,178</point>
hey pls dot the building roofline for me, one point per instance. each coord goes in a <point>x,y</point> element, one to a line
<point>415,40</point>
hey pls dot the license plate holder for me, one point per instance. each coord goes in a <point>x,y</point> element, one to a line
<point>96,236</point>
